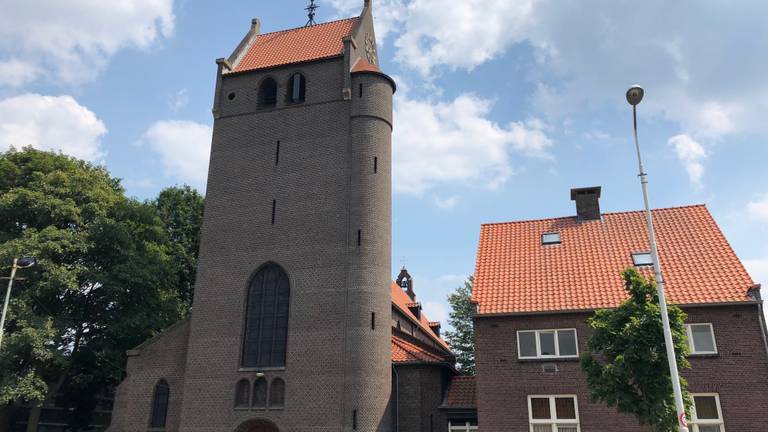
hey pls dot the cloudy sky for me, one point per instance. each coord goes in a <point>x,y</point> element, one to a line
<point>502,106</point>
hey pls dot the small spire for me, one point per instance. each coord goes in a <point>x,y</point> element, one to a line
<point>311,13</point>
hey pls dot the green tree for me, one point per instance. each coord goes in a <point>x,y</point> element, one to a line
<point>105,279</point>
<point>462,338</point>
<point>626,365</point>
<point>181,210</point>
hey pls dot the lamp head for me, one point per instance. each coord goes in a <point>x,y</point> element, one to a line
<point>635,94</point>
<point>26,262</point>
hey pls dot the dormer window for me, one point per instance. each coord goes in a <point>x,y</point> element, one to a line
<point>642,259</point>
<point>550,238</point>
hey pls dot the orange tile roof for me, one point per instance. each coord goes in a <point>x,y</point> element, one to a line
<point>297,45</point>
<point>363,65</point>
<point>462,393</point>
<point>515,273</point>
<point>404,351</point>
<point>401,300</point>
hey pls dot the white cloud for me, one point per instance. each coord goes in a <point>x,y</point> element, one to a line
<point>586,54</point>
<point>179,100</point>
<point>446,203</point>
<point>691,154</point>
<point>758,209</point>
<point>15,72</point>
<point>184,148</point>
<point>436,311</point>
<point>387,14</point>
<point>56,123</point>
<point>463,145</point>
<point>74,39</point>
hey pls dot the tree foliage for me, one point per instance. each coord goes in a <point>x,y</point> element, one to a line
<point>626,365</point>
<point>107,276</point>
<point>462,338</point>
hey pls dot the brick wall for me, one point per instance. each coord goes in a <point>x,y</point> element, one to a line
<point>739,373</point>
<point>421,389</point>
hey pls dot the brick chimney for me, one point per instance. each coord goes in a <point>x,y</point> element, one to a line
<point>587,203</point>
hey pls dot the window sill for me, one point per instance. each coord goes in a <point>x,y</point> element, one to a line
<point>548,360</point>
<point>262,369</point>
<point>704,355</point>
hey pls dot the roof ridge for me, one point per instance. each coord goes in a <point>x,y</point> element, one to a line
<point>306,27</point>
<point>604,214</point>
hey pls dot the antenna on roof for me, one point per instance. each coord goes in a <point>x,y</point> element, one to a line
<point>311,13</point>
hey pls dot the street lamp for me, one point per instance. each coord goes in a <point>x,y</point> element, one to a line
<point>21,263</point>
<point>634,96</point>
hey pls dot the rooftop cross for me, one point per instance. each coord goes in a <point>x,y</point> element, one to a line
<point>311,13</point>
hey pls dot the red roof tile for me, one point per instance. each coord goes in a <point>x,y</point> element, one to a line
<point>296,45</point>
<point>401,300</point>
<point>407,352</point>
<point>363,65</point>
<point>515,273</point>
<point>462,393</point>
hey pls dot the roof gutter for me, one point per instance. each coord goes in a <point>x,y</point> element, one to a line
<point>577,311</point>
<point>754,293</point>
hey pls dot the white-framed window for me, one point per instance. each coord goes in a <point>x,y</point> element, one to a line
<point>701,338</point>
<point>553,413</point>
<point>642,259</point>
<point>550,238</point>
<point>706,415</point>
<point>556,343</point>
<point>462,426</point>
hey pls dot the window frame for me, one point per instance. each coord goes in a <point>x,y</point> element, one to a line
<point>553,421</point>
<point>153,413</point>
<point>465,426</point>
<point>559,238</point>
<point>648,264</point>
<point>691,344</point>
<point>694,423</point>
<point>538,344</point>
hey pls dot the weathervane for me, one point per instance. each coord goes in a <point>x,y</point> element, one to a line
<point>311,13</point>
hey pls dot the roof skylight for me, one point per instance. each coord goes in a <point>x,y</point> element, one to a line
<point>642,259</point>
<point>550,238</point>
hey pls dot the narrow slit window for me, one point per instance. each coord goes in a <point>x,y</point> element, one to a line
<point>361,90</point>
<point>375,164</point>
<point>354,419</point>
<point>640,259</point>
<point>277,153</point>
<point>274,205</point>
<point>359,237</point>
<point>373,320</point>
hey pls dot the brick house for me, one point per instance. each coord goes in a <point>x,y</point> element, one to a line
<point>537,282</point>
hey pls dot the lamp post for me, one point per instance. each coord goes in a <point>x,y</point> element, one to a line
<point>22,263</point>
<point>634,96</point>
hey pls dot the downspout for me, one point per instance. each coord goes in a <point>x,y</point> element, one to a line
<point>754,293</point>
<point>397,399</point>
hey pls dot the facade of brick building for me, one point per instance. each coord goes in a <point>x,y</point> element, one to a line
<point>537,283</point>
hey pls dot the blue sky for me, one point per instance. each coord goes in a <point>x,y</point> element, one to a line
<point>502,106</point>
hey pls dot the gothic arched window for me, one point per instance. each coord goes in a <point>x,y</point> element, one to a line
<point>297,87</point>
<point>266,320</point>
<point>277,393</point>
<point>242,393</point>
<point>160,404</point>
<point>267,93</point>
<point>260,393</point>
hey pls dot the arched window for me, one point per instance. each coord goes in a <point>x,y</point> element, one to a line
<point>260,393</point>
<point>242,393</point>
<point>266,321</point>
<point>296,88</point>
<point>160,404</point>
<point>267,93</point>
<point>277,393</point>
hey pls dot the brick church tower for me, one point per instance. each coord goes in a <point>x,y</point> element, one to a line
<point>290,329</point>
